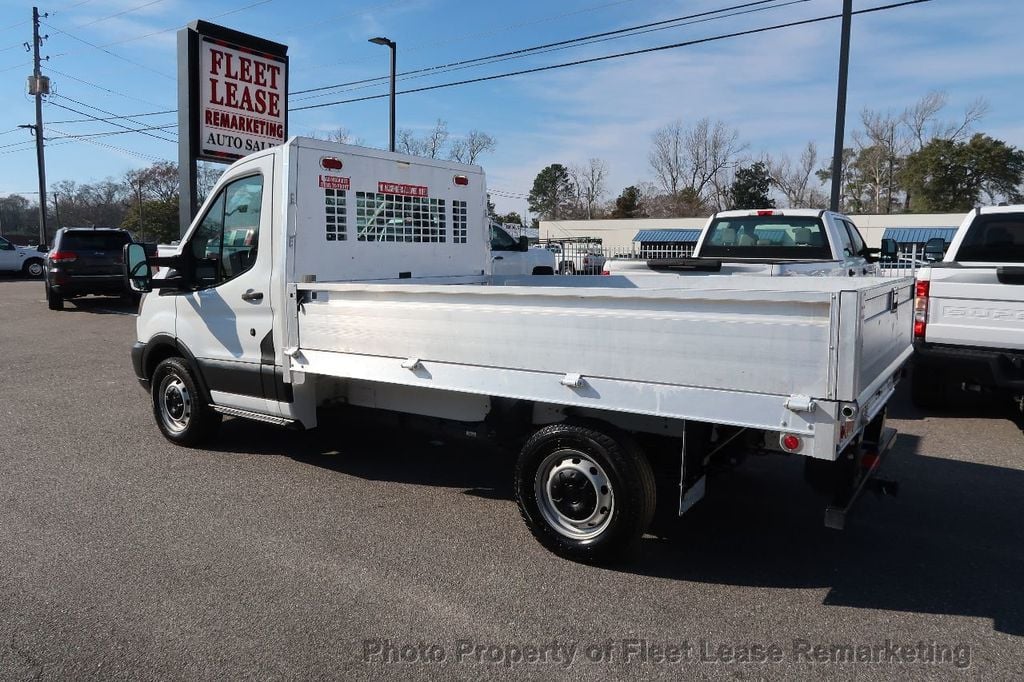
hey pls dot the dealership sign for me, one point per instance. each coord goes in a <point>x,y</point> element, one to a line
<point>237,99</point>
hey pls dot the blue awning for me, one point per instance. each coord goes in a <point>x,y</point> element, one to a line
<point>667,236</point>
<point>918,235</point>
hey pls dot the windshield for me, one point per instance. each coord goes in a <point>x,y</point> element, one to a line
<point>793,237</point>
<point>994,239</point>
<point>97,241</point>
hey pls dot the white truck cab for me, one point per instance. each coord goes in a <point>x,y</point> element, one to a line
<point>773,243</point>
<point>318,273</point>
<point>511,256</point>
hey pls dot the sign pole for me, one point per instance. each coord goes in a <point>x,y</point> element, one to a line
<point>188,95</point>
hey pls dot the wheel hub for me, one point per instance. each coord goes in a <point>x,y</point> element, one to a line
<point>175,404</point>
<point>574,494</point>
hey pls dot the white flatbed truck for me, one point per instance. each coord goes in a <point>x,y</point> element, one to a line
<point>362,278</point>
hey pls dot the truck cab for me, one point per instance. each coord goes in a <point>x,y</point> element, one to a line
<point>511,256</point>
<point>773,243</point>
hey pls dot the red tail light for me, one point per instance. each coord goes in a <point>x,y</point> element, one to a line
<point>765,212</point>
<point>921,289</point>
<point>790,442</point>
<point>461,180</point>
<point>63,257</point>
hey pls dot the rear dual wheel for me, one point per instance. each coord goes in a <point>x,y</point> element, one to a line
<point>585,495</point>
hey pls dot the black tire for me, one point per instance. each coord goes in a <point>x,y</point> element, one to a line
<point>605,476</point>
<point>543,270</point>
<point>33,268</point>
<point>181,412</point>
<point>54,301</point>
<point>928,387</point>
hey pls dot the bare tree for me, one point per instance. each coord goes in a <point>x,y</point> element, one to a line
<point>469,148</point>
<point>340,134</point>
<point>793,179</point>
<point>668,156</point>
<point>435,140</point>
<point>408,143</point>
<point>589,181</point>
<point>698,159</point>
<point>922,122</point>
<point>713,150</point>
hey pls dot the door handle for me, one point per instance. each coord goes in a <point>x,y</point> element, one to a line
<point>498,258</point>
<point>251,295</point>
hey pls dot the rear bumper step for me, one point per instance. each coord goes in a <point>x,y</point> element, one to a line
<point>836,513</point>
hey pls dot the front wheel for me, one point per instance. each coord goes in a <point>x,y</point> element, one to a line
<point>584,495</point>
<point>182,414</point>
<point>33,269</point>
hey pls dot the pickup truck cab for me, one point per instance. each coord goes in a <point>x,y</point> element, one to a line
<point>969,311</point>
<point>28,260</point>
<point>772,243</point>
<point>510,256</point>
<point>299,286</point>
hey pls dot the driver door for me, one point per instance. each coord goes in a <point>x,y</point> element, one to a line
<point>8,256</point>
<point>226,321</point>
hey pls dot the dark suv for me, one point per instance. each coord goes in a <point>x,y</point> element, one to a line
<point>85,261</point>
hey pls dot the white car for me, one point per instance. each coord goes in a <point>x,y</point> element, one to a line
<point>28,260</point>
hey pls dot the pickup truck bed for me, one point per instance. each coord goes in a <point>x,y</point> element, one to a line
<point>708,349</point>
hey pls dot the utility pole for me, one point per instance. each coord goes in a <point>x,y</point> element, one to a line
<point>844,69</point>
<point>39,85</point>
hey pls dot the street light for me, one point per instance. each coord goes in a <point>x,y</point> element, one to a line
<point>391,44</point>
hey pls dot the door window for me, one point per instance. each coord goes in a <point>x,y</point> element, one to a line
<point>225,243</point>
<point>855,239</point>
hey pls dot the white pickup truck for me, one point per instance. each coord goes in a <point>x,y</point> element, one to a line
<point>511,256</point>
<point>768,242</point>
<point>969,320</point>
<point>28,260</point>
<point>368,285</point>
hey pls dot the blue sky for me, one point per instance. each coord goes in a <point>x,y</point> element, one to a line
<point>776,88</point>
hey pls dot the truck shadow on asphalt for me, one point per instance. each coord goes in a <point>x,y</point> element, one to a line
<point>952,543</point>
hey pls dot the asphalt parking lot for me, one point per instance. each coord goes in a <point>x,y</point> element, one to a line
<point>363,551</point>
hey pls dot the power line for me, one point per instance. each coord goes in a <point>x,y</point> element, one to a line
<point>106,51</point>
<point>525,51</point>
<point>118,14</point>
<point>174,28</point>
<point>113,118</point>
<point>85,113</point>
<point>631,53</point>
<point>100,87</point>
<point>486,61</point>
<point>125,132</point>
<point>80,138</point>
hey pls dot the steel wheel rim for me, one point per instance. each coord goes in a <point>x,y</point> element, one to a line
<point>574,494</point>
<point>175,403</point>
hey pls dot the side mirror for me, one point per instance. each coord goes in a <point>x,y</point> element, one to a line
<point>934,249</point>
<point>889,251</point>
<point>524,243</point>
<point>137,270</point>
